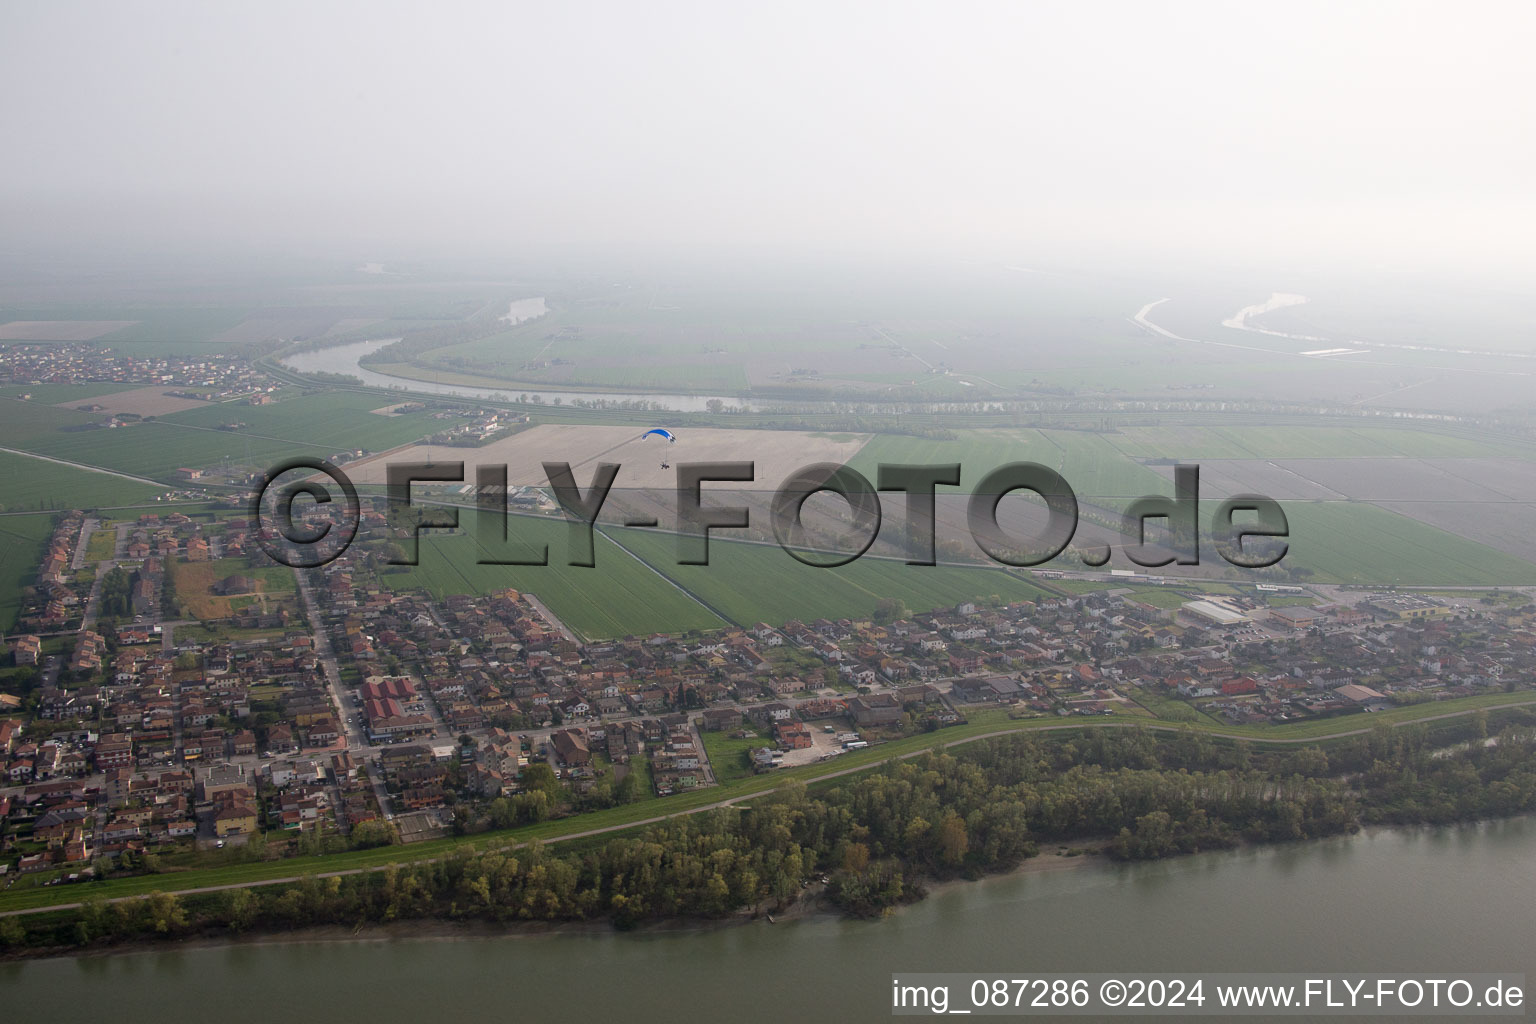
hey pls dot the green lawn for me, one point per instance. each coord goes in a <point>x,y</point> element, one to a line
<point>728,756</point>
<point>640,767</point>
<point>102,544</point>
<point>1170,709</point>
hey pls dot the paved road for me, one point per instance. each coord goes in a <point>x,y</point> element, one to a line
<point>168,634</point>
<point>86,527</point>
<point>351,722</point>
<point>551,618</point>
<point>93,602</point>
<point>730,801</point>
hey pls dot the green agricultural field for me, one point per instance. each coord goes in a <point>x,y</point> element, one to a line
<point>315,424</point>
<point>158,449</point>
<point>36,484</point>
<point>22,423</point>
<point>617,597</point>
<point>711,335</point>
<point>21,548</point>
<point>1353,542</point>
<point>1298,441</point>
<point>53,394</point>
<point>332,420</point>
<point>523,354</point>
<point>1090,464</point>
<point>1095,468</point>
<point>750,583</point>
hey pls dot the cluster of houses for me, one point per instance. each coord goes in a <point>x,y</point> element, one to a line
<point>128,743</point>
<point>207,377</point>
<point>69,823</point>
<point>140,746</point>
<point>483,425</point>
<point>57,601</point>
<point>1312,661</point>
<point>178,535</point>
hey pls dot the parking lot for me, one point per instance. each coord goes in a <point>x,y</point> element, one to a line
<point>822,743</point>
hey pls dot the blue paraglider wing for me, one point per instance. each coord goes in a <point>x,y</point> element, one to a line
<point>661,433</point>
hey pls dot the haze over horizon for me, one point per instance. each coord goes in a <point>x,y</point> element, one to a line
<point>1376,137</point>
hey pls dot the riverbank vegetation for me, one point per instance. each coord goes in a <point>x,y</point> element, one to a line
<point>869,842</point>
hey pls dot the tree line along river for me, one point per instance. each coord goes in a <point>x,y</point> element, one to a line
<point>1458,899</point>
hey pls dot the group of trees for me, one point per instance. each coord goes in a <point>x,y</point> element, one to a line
<point>116,594</point>
<point>877,837</point>
<point>170,604</point>
<point>543,797</point>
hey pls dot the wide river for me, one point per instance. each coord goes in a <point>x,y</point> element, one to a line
<point>1385,901</point>
<point>345,359</point>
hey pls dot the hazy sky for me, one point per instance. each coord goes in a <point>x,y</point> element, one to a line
<point>1387,134</point>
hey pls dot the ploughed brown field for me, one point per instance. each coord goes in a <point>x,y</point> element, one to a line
<point>153,401</point>
<point>777,454</point>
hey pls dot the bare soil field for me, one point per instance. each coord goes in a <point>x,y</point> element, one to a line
<point>1399,479</point>
<point>1512,478</point>
<point>1222,478</point>
<point>151,401</point>
<point>777,454</point>
<point>1219,481</point>
<point>60,330</point>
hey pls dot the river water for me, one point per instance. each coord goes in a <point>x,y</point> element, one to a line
<point>1385,901</point>
<point>344,359</point>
